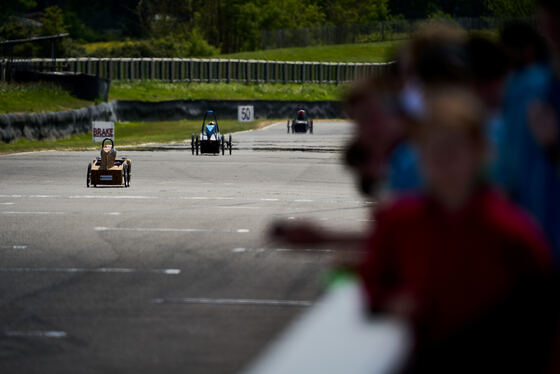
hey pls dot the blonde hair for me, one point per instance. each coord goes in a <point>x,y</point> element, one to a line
<point>453,108</point>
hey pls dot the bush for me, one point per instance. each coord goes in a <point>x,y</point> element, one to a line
<point>190,45</point>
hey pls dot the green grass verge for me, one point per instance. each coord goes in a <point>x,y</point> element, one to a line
<point>363,52</point>
<point>128,133</point>
<point>36,97</point>
<point>39,97</point>
<point>359,52</point>
<point>158,91</point>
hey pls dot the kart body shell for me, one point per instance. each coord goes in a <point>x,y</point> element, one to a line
<point>109,170</point>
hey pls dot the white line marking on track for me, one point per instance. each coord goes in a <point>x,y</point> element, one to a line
<point>89,270</point>
<point>139,197</point>
<point>240,207</point>
<point>267,302</point>
<point>42,334</point>
<point>7,203</point>
<point>113,213</point>
<point>13,246</point>
<point>260,250</point>
<point>164,229</point>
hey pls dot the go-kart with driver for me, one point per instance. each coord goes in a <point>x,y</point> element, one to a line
<point>210,139</point>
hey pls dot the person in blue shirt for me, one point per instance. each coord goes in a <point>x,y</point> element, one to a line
<point>483,67</point>
<point>528,169</point>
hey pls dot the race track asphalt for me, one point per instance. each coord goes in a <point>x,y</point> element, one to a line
<point>176,273</point>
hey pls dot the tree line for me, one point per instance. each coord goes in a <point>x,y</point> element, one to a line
<point>203,27</point>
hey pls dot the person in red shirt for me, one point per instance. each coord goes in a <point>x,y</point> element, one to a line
<point>458,261</point>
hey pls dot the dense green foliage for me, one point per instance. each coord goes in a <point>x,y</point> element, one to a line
<point>204,27</point>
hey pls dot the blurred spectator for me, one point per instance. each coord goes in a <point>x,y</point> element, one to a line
<point>529,155</point>
<point>489,67</point>
<point>523,44</point>
<point>434,56</point>
<point>456,261</point>
<point>372,107</point>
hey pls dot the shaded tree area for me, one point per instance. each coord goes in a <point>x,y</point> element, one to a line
<point>204,27</point>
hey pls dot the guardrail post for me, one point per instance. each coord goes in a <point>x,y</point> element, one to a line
<point>180,70</point>
<point>228,71</point>
<point>247,71</point>
<point>109,64</point>
<point>337,73</point>
<point>209,70</point>
<point>140,69</point>
<point>119,69</point>
<point>170,70</point>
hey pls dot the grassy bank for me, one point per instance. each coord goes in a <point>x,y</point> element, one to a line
<point>36,97</point>
<point>39,97</point>
<point>363,52</point>
<point>158,91</point>
<point>128,133</point>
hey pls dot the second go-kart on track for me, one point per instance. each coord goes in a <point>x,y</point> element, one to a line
<point>174,274</point>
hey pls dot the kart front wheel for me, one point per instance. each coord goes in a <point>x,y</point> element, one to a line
<point>192,144</point>
<point>88,175</point>
<point>311,127</point>
<point>288,126</point>
<point>197,145</point>
<point>223,144</point>
<point>230,145</point>
<point>125,175</point>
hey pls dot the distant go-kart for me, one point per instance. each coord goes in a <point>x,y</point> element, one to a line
<point>107,170</point>
<point>301,123</point>
<point>210,140</point>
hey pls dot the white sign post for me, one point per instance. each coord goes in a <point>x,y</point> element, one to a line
<point>101,130</point>
<point>245,113</point>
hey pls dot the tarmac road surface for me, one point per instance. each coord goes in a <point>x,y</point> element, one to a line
<point>174,274</point>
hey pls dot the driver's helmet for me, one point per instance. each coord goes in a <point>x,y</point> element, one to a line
<point>301,114</point>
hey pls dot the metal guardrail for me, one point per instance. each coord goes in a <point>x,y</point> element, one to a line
<point>200,70</point>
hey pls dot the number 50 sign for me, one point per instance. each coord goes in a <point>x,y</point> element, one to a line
<point>245,113</point>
